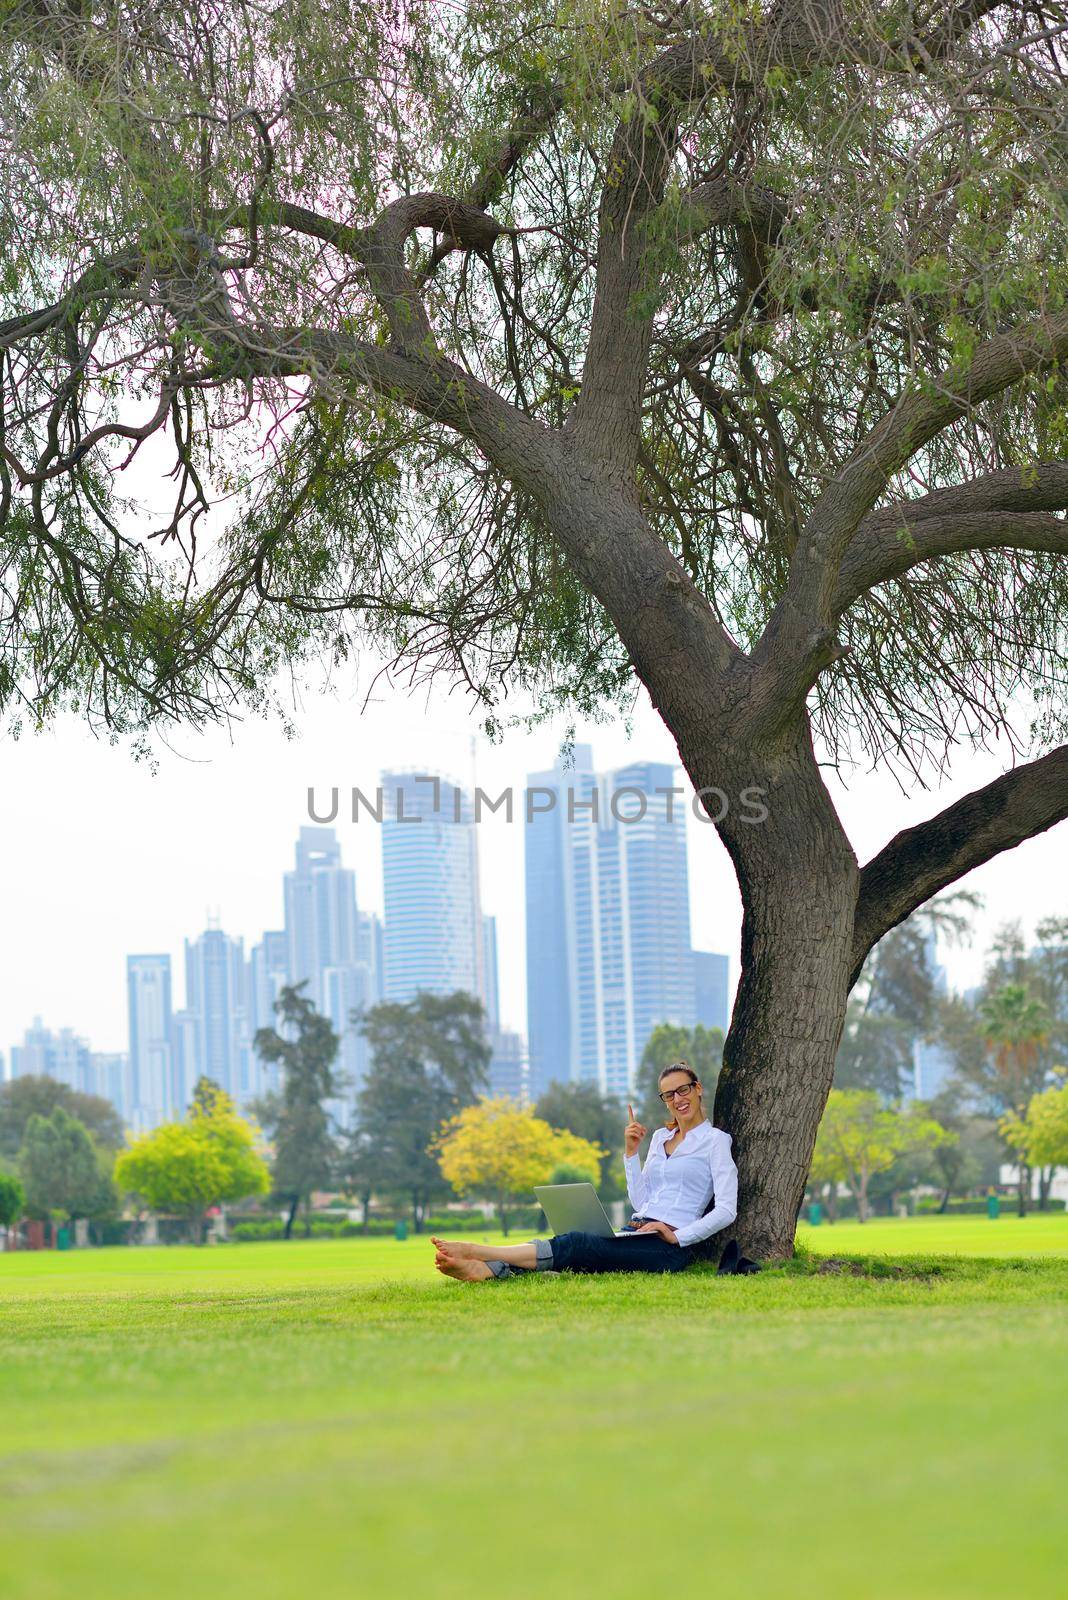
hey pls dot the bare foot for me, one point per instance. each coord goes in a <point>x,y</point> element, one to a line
<point>465,1270</point>
<point>459,1249</point>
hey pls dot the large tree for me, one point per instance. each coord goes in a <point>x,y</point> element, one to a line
<point>712,348</point>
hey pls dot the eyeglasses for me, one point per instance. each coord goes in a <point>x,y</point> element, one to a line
<point>670,1094</point>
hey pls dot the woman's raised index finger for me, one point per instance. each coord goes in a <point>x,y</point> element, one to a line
<point>630,1108</point>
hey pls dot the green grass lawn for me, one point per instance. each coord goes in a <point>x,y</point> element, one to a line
<point>331,1419</point>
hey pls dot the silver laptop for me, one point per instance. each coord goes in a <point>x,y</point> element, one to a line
<point>575,1207</point>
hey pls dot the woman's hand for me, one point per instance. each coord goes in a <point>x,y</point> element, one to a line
<point>633,1134</point>
<point>661,1228</point>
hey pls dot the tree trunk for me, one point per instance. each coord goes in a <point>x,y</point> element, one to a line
<point>294,1203</point>
<point>1045,1184</point>
<point>1023,1189</point>
<point>863,1212</point>
<point>945,1202</point>
<point>798,878</point>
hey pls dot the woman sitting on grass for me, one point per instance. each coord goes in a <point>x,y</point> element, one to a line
<point>689,1163</point>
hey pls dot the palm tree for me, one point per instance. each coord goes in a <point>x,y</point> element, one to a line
<point>1015,1028</point>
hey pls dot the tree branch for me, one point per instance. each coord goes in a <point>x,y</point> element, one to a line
<point>799,641</point>
<point>921,861</point>
<point>1010,508</point>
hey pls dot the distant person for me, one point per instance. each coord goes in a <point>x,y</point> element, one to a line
<point>689,1163</point>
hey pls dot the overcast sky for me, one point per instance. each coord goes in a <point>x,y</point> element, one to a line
<point>104,857</point>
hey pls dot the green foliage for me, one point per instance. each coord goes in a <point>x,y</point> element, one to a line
<point>1041,1136</point>
<point>62,1170</point>
<point>147,182</point>
<point>12,1200</point>
<point>305,1047</point>
<point>186,1167</point>
<point>859,1137</point>
<point>429,1060</point>
<point>22,1098</point>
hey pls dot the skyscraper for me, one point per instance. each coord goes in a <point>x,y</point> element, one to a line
<point>215,1001</point>
<point>148,991</point>
<point>433,920</point>
<point>508,1065</point>
<point>63,1056</point>
<point>332,946</point>
<point>608,919</point>
<point>490,984</point>
<point>711,984</point>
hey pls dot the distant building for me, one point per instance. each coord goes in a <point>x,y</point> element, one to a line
<point>490,985</point>
<point>148,993</point>
<point>63,1056</point>
<point>932,1068</point>
<point>185,1058</point>
<point>215,1003</point>
<point>508,1065</point>
<point>608,919</point>
<point>711,973</point>
<point>433,918</point>
<point>334,948</point>
<point>110,1073</point>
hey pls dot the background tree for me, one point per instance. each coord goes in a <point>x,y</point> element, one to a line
<point>12,1200</point>
<point>897,999</point>
<point>62,1170</point>
<point>297,1119</point>
<point>500,1150</point>
<point>1015,1026</point>
<point>30,1096</point>
<point>972,1158</point>
<point>582,1109</point>
<point>184,1168</point>
<point>701,1047</point>
<point>860,1137</point>
<point>429,1059</point>
<point>361,1167</point>
<point>713,349</point>
<point>1040,1137</point>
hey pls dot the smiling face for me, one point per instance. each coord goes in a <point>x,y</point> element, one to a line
<point>680,1092</point>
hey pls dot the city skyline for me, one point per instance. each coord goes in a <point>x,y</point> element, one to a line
<point>127,856</point>
<point>433,937</point>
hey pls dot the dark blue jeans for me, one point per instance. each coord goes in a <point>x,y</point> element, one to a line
<point>642,1252</point>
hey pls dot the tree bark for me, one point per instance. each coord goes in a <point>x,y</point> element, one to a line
<point>798,877</point>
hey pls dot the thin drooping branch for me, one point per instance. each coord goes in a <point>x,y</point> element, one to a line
<point>919,862</point>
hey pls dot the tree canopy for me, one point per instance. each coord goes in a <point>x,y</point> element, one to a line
<point>501,1150</point>
<point>183,1168</point>
<point>429,1059</point>
<point>62,1170</point>
<point>364,273</point>
<point>859,1137</point>
<point>23,1097</point>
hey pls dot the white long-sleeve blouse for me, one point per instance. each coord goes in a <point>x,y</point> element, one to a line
<point>677,1188</point>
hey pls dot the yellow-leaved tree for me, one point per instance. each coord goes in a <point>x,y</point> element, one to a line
<point>501,1150</point>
